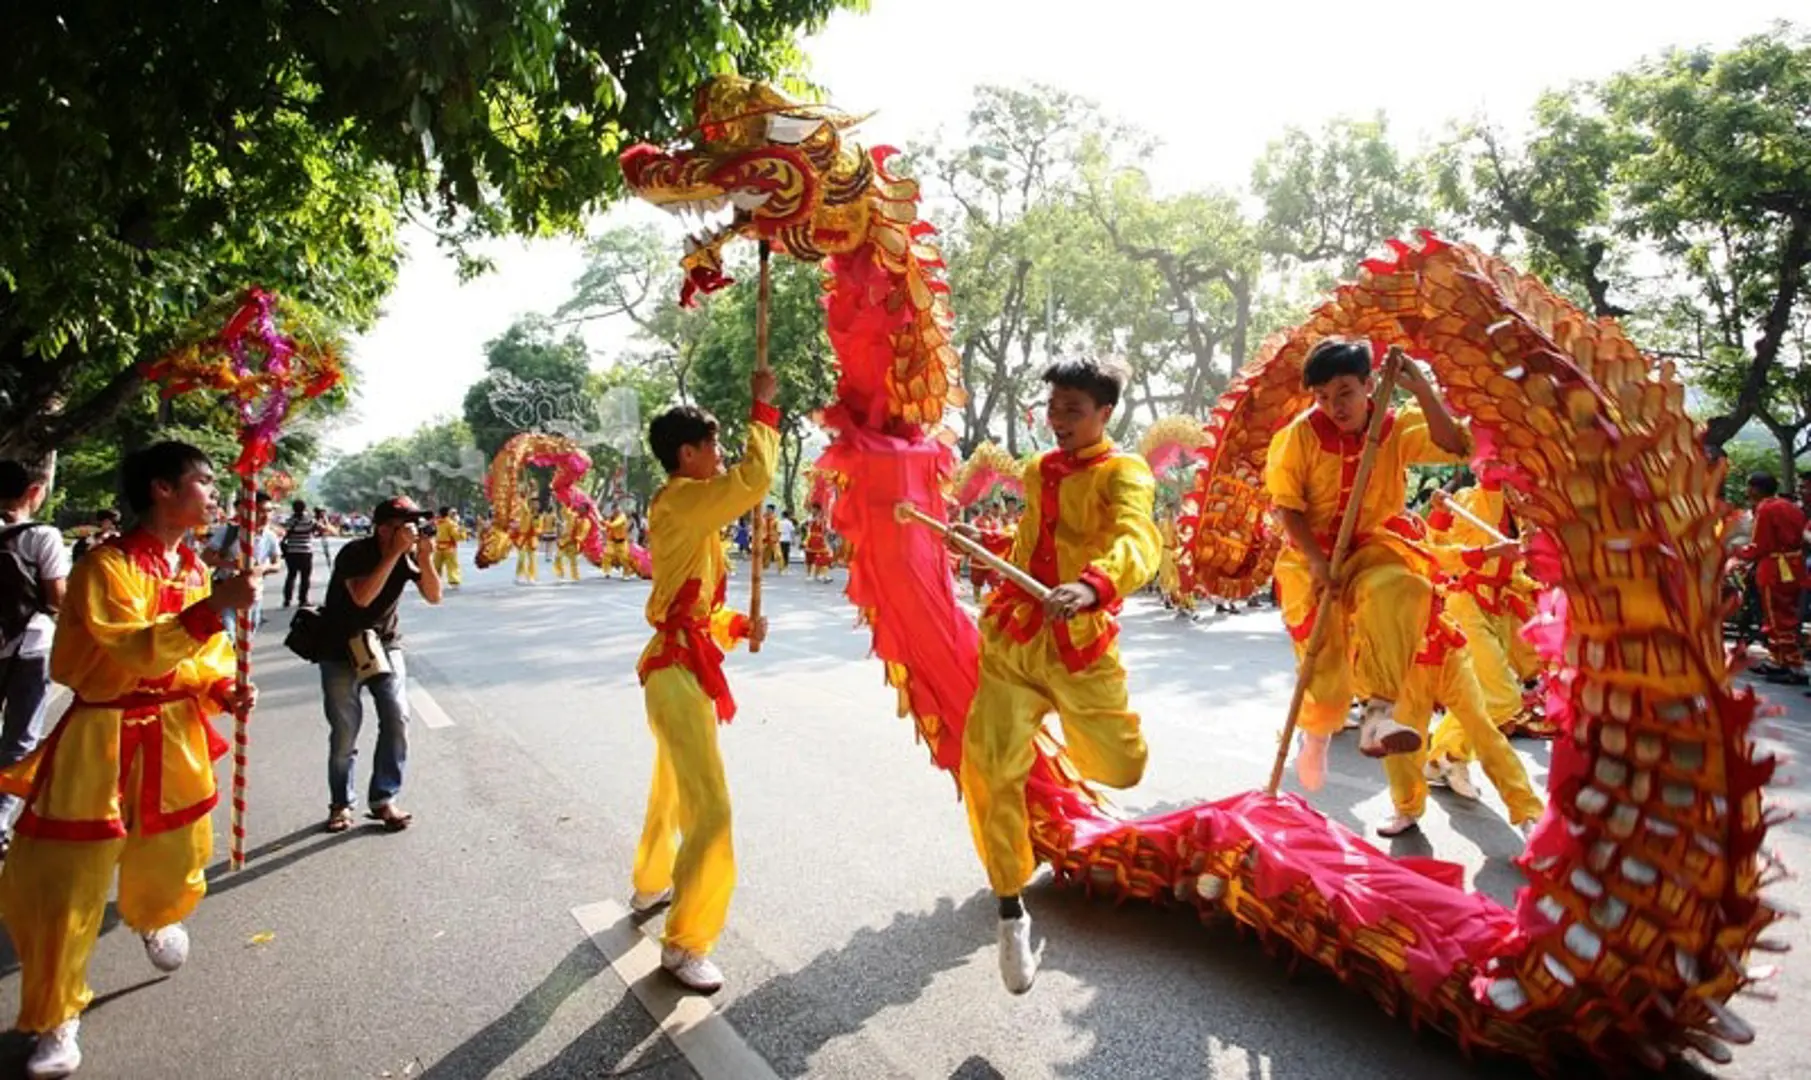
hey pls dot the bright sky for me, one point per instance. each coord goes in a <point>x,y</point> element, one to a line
<point>1215,82</point>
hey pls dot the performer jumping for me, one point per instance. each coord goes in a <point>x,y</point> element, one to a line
<point>124,782</point>
<point>1089,532</point>
<point>1385,593</point>
<point>681,673</point>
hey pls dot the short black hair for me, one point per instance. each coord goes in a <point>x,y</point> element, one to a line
<point>107,514</point>
<point>1101,380</point>
<point>16,478</point>
<point>300,506</point>
<point>1334,357</point>
<point>445,510</point>
<point>166,461</point>
<point>681,425</point>
<point>1765,483</point>
<point>263,498</point>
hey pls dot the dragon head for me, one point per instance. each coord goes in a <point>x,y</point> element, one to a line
<point>761,166</point>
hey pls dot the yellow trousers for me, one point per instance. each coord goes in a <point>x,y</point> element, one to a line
<point>527,564</point>
<point>1021,684</point>
<point>688,799</point>
<point>1491,640</point>
<point>1369,651</point>
<point>1455,685</point>
<point>446,564</point>
<point>617,557</point>
<point>566,563</point>
<point>53,894</point>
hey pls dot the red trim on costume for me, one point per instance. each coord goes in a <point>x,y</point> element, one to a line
<point>1106,593</point>
<point>687,643</point>
<point>1441,636</point>
<point>765,413</point>
<point>201,621</point>
<point>1019,615</point>
<point>147,553</point>
<point>1053,469</point>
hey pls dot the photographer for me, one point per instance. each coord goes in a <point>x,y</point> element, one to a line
<point>362,647</point>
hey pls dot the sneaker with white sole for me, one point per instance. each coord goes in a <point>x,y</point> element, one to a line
<point>1380,735</point>
<point>56,1054</point>
<point>1458,777</point>
<point>1018,963</point>
<point>1434,772</point>
<point>693,970</point>
<point>167,947</point>
<point>1311,760</point>
<point>643,902</point>
<point>1397,825</point>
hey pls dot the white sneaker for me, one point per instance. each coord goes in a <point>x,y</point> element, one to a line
<point>694,972</point>
<point>1458,777</point>
<point>1018,963</point>
<point>1434,772</point>
<point>1397,825</point>
<point>643,902</point>
<point>1379,735</point>
<point>1311,760</point>
<point>56,1054</point>
<point>168,947</point>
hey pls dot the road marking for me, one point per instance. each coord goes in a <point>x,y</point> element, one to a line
<point>427,708</point>
<point>710,1045</point>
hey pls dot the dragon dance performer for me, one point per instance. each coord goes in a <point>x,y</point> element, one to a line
<point>1169,572</point>
<point>616,545</point>
<point>1385,592</point>
<point>681,673</point>
<point>1443,675</point>
<point>980,576</point>
<point>1777,551</point>
<point>125,781</point>
<point>1490,598</point>
<point>1088,532</point>
<point>447,535</point>
<point>817,546</point>
<point>770,542</point>
<point>572,541</point>
<point>527,560</point>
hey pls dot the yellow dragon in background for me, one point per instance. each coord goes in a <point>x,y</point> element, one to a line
<point>1644,896</point>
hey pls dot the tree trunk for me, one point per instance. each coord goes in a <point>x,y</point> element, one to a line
<point>1795,252</point>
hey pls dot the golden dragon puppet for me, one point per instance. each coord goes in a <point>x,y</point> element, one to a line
<point>1644,896</point>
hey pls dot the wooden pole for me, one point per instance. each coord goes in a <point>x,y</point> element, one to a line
<point>1039,590</point>
<point>1329,598</point>
<point>1483,526</point>
<point>242,656</point>
<point>763,296</point>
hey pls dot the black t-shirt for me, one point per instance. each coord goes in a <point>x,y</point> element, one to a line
<point>344,620</point>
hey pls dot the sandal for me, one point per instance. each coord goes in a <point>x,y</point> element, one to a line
<point>339,819</point>
<point>394,820</point>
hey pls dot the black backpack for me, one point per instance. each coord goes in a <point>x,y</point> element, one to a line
<point>21,596</point>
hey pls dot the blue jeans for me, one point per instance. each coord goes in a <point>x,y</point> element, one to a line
<point>24,688</point>
<point>345,713</point>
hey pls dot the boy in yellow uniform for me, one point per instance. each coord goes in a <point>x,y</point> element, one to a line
<point>1385,591</point>
<point>528,561</point>
<point>1088,532</point>
<point>1443,675</point>
<point>616,540</point>
<point>572,541</point>
<point>447,535</point>
<point>1490,598</point>
<point>682,679</point>
<point>125,781</point>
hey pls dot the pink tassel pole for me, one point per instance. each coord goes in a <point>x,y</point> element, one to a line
<point>242,648</point>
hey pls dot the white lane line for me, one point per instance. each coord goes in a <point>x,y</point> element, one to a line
<point>427,708</point>
<point>710,1045</point>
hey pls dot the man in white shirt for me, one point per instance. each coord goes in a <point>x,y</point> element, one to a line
<point>34,568</point>
<point>788,530</point>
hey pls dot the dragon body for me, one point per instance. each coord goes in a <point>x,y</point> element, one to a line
<point>511,506</point>
<point>1643,898</point>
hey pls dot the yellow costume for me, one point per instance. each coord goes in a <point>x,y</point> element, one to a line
<point>125,780</point>
<point>682,681</point>
<point>1442,675</point>
<point>527,560</point>
<point>1490,599</point>
<point>1169,572</point>
<point>447,535</point>
<point>1385,591</point>
<point>616,549</point>
<point>572,541</point>
<point>770,542</point>
<point>1087,518</point>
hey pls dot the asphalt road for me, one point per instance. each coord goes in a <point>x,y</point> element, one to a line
<point>488,940</point>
